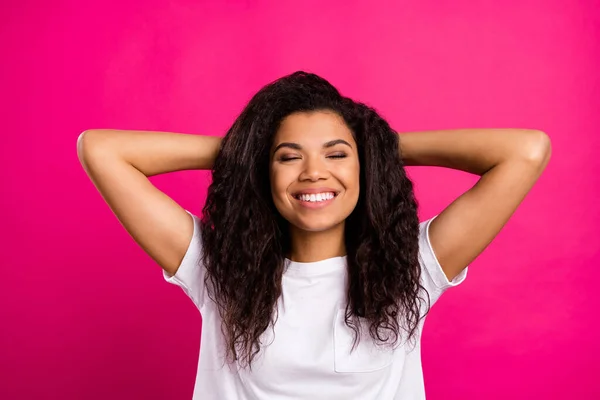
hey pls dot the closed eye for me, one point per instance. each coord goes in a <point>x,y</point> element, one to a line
<point>334,156</point>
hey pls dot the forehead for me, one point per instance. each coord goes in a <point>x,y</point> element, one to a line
<point>313,128</point>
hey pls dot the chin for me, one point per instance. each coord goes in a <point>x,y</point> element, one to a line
<point>316,225</point>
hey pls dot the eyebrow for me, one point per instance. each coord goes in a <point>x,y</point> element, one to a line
<point>296,146</point>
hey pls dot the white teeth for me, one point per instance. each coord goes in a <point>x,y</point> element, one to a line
<point>316,197</point>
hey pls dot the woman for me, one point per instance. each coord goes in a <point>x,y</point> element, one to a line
<point>309,266</point>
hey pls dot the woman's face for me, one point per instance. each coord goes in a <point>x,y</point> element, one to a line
<point>314,170</point>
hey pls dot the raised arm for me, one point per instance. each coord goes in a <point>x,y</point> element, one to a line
<point>509,162</point>
<point>119,163</point>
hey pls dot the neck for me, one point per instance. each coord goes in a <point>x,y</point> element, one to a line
<point>316,246</point>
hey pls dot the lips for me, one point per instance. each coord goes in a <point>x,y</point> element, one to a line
<point>315,201</point>
<point>315,191</point>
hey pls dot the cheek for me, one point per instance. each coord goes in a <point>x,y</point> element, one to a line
<point>350,177</point>
<point>280,181</point>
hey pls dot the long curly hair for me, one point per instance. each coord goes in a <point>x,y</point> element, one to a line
<point>245,239</point>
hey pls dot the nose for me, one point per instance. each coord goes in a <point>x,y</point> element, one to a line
<point>314,169</point>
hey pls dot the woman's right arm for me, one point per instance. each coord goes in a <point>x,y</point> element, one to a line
<point>119,163</point>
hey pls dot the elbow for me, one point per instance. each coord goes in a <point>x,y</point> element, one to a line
<point>539,147</point>
<point>83,144</point>
<point>88,142</point>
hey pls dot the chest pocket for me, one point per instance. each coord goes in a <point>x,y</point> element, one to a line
<point>366,356</point>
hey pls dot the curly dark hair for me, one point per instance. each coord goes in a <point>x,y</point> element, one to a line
<point>245,239</point>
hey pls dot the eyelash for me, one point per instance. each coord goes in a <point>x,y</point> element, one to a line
<point>335,156</point>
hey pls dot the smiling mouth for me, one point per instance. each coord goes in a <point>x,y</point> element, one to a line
<point>315,197</point>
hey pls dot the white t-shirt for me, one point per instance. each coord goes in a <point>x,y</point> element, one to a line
<point>310,357</point>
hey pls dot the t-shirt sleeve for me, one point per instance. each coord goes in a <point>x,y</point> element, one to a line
<point>191,272</point>
<point>433,278</point>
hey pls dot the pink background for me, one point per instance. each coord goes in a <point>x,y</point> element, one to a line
<point>86,314</point>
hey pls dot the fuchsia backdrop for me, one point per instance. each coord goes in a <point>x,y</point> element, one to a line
<point>86,314</point>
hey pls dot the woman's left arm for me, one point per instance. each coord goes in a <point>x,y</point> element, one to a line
<point>509,162</point>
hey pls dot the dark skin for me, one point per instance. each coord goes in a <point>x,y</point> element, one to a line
<point>312,151</point>
<point>509,162</point>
